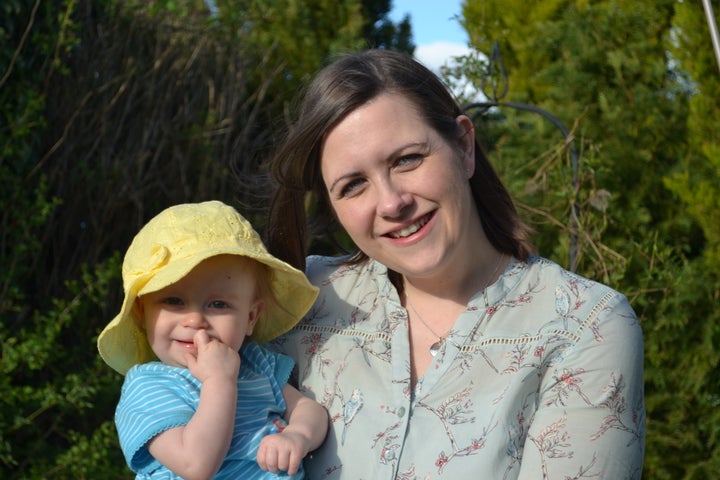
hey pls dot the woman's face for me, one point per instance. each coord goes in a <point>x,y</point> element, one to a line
<point>399,189</point>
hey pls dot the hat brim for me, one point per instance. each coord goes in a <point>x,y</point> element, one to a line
<point>123,342</point>
<point>294,295</point>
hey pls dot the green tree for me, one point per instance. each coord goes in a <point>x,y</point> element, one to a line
<point>601,69</point>
<point>683,374</point>
<point>379,31</point>
<point>644,198</point>
<point>696,180</point>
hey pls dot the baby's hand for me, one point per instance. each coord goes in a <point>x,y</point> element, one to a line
<point>282,452</point>
<point>214,358</point>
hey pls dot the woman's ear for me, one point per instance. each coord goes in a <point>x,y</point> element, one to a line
<point>467,143</point>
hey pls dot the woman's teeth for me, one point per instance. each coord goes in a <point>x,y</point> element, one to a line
<point>410,229</point>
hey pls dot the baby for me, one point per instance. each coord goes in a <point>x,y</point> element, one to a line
<point>201,398</point>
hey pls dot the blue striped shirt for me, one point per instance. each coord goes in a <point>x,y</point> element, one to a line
<point>156,397</point>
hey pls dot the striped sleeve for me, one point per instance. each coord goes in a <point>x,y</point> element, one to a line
<point>154,399</point>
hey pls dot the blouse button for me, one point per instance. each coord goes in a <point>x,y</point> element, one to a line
<point>401,412</point>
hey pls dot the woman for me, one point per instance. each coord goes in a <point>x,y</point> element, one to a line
<point>444,348</point>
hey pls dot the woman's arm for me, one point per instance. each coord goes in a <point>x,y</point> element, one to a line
<point>307,426</point>
<point>590,417</point>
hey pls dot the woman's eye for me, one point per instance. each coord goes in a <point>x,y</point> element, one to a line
<point>351,188</point>
<point>409,161</point>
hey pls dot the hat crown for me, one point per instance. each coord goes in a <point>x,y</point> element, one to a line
<point>182,232</point>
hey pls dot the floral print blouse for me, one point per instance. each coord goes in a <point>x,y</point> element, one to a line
<point>541,377</point>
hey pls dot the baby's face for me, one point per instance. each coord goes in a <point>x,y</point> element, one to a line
<point>219,295</point>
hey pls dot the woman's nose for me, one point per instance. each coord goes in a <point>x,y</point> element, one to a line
<point>392,200</point>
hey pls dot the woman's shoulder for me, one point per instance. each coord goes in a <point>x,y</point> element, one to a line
<point>551,272</point>
<point>320,264</point>
<point>545,277</point>
<point>347,289</point>
<point>322,271</point>
<point>538,296</point>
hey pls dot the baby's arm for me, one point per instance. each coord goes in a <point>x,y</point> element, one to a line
<point>306,430</point>
<point>197,449</point>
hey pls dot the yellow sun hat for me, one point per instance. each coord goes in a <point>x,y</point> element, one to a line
<point>169,246</point>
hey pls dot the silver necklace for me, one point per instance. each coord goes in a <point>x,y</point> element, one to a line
<point>435,347</point>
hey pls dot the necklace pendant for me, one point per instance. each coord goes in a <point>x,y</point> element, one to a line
<point>435,347</point>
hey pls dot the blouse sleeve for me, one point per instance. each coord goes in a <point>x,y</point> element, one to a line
<point>590,416</point>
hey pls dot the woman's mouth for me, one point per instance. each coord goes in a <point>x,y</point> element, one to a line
<point>410,229</point>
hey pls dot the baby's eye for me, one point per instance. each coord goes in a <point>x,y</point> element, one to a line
<point>172,301</point>
<point>218,304</point>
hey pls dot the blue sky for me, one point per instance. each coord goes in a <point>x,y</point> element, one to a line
<point>436,32</point>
